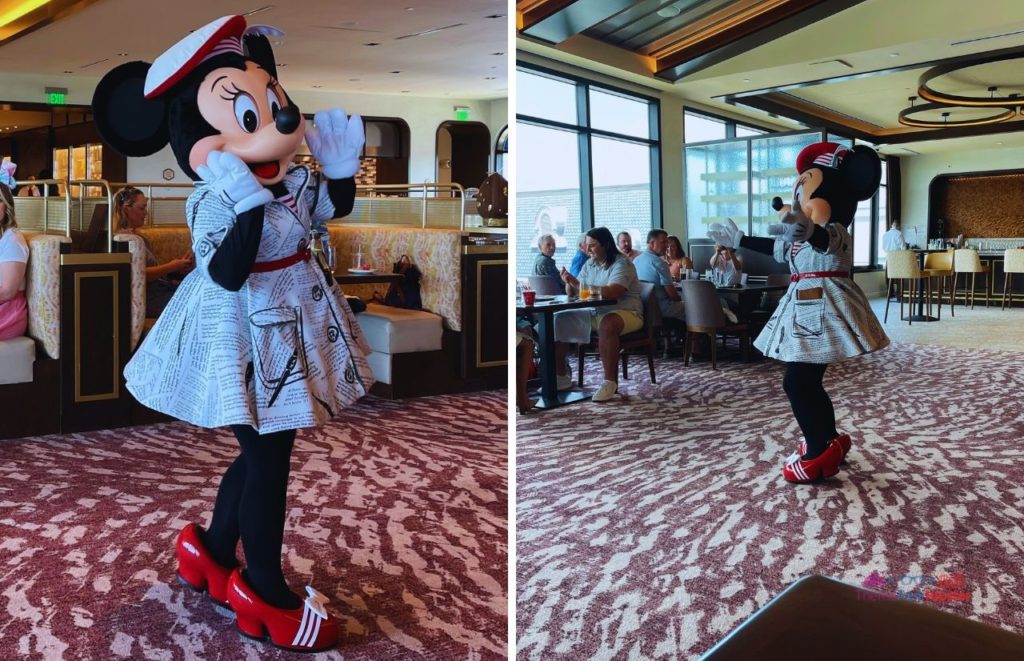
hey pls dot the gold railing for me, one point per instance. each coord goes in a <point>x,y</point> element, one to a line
<point>425,205</point>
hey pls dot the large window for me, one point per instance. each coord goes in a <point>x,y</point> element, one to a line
<point>737,178</point>
<point>587,157</point>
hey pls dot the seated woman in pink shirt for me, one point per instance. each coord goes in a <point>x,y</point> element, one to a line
<point>13,259</point>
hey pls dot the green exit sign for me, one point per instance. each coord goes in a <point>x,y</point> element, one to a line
<point>462,113</point>
<point>56,96</point>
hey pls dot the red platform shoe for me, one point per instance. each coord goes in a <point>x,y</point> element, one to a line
<point>197,568</point>
<point>845,442</point>
<point>308,628</point>
<point>803,471</point>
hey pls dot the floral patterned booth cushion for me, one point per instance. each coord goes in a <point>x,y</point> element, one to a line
<point>42,290</point>
<point>435,251</point>
<point>167,243</point>
<point>138,293</point>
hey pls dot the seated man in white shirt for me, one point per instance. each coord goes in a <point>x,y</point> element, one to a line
<point>893,239</point>
<point>727,264</point>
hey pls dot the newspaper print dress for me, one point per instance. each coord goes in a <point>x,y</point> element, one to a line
<point>283,352</point>
<point>825,326</point>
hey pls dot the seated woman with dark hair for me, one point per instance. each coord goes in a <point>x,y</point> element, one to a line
<point>13,260</point>
<point>130,205</point>
<point>678,262</point>
<point>615,276</point>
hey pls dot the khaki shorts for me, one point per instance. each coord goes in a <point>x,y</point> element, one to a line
<point>631,321</point>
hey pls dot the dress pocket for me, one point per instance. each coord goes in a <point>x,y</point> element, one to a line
<point>807,318</point>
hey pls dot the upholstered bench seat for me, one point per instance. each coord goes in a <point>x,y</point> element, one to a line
<point>391,331</point>
<point>16,357</point>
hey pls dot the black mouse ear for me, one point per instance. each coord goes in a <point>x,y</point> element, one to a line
<point>862,172</point>
<point>128,122</point>
<point>258,49</point>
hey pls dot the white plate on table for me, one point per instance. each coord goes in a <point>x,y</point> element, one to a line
<point>362,271</point>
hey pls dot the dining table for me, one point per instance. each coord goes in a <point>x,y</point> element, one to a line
<point>748,295</point>
<point>921,316</point>
<point>544,309</point>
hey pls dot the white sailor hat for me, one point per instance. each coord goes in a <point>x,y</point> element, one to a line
<point>223,35</point>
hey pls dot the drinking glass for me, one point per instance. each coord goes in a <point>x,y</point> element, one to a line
<point>584,291</point>
<point>595,292</point>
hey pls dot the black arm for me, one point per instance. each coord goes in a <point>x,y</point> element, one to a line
<point>343,195</point>
<point>232,261</point>
<point>819,238</point>
<point>758,244</point>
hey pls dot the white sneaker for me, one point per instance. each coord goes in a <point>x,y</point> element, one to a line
<point>605,392</point>
<point>564,381</point>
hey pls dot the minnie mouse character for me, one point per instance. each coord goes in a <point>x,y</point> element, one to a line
<point>257,336</point>
<point>824,316</point>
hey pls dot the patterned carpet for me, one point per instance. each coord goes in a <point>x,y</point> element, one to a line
<point>397,512</point>
<point>651,526</point>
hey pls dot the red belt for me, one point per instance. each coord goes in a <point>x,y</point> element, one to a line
<point>818,274</point>
<point>283,263</point>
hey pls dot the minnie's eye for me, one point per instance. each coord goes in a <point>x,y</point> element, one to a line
<point>274,103</point>
<point>246,114</point>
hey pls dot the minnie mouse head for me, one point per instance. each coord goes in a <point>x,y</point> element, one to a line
<point>833,179</point>
<point>215,90</point>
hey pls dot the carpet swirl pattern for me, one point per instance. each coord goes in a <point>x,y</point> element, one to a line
<point>397,512</point>
<point>651,526</point>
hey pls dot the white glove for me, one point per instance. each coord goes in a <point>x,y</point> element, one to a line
<point>727,235</point>
<point>230,178</point>
<point>795,225</point>
<point>336,141</point>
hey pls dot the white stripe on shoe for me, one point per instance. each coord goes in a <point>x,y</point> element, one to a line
<point>303,627</point>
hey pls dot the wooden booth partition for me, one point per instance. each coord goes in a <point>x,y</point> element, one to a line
<point>95,334</point>
<point>485,316</point>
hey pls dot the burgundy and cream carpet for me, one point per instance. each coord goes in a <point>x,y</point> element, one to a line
<point>651,526</point>
<point>397,512</point>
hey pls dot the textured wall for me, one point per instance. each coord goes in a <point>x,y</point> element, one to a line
<point>981,205</point>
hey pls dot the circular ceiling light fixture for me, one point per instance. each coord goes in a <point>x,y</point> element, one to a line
<point>928,88</point>
<point>670,11</point>
<point>905,116</point>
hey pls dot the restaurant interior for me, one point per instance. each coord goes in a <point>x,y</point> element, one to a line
<point>656,523</point>
<point>397,507</point>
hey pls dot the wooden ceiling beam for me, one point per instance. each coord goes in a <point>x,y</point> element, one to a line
<point>729,33</point>
<point>554,21</point>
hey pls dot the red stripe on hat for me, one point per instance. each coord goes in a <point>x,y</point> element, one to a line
<point>233,27</point>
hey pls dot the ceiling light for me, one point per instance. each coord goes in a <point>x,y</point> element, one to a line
<point>353,80</point>
<point>669,12</point>
<point>501,52</point>
<point>929,92</point>
<point>396,72</point>
<point>316,87</point>
<point>19,10</point>
<point>905,118</point>
<point>495,16</point>
<point>405,91</point>
<point>894,54</point>
<point>258,10</point>
<point>488,77</point>
<point>122,54</point>
<point>372,43</point>
<point>746,80</point>
<point>67,71</point>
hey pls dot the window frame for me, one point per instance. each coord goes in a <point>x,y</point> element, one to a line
<point>585,132</point>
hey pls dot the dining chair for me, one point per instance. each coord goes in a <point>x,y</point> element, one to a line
<point>704,316</point>
<point>547,285</point>
<point>939,265</point>
<point>1013,262</point>
<point>900,266</point>
<point>638,343</point>
<point>966,260</point>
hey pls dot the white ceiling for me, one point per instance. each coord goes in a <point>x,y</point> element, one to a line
<point>870,36</point>
<point>323,43</point>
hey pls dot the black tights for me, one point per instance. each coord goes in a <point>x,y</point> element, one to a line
<point>811,405</point>
<point>251,505</point>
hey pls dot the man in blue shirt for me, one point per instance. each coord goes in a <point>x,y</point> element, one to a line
<point>650,267</point>
<point>580,258</point>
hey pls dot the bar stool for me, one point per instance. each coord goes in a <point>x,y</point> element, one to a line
<point>939,265</point>
<point>966,260</point>
<point>902,265</point>
<point>1013,263</point>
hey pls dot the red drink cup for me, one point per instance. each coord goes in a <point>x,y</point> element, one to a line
<point>529,296</point>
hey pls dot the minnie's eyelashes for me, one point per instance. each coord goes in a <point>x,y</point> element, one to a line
<point>232,94</point>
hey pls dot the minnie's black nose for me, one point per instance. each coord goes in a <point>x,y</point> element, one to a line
<point>288,119</point>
